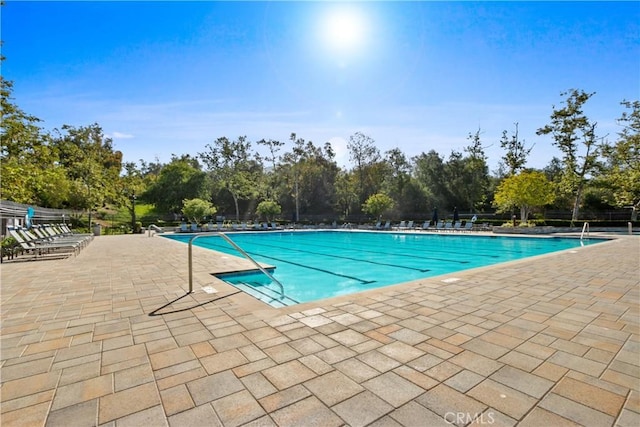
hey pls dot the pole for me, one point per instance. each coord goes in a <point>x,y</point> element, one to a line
<point>133,213</point>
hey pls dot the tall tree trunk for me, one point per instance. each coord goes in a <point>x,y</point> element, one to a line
<point>576,206</point>
<point>235,202</point>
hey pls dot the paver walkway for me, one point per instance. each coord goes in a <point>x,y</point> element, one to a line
<point>110,338</point>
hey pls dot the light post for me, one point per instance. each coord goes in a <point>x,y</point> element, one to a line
<point>133,213</point>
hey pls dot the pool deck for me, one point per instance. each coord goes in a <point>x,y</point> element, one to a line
<point>111,338</point>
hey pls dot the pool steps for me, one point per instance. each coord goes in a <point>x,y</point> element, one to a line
<point>264,293</point>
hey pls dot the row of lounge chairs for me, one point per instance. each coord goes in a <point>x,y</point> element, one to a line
<point>263,226</point>
<point>426,226</point>
<point>48,240</point>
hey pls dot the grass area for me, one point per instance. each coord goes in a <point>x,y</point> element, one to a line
<point>113,217</point>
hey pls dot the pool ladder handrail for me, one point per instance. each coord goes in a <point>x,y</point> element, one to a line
<point>585,226</point>
<point>236,247</point>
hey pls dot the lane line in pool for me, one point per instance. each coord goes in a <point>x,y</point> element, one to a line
<point>412,256</point>
<point>363,281</point>
<point>421,270</point>
<point>422,257</point>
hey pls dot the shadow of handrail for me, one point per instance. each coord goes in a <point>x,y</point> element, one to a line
<point>156,311</point>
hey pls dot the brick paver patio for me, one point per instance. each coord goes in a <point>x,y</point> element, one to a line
<point>110,338</point>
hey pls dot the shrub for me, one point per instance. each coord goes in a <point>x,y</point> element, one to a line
<point>269,209</point>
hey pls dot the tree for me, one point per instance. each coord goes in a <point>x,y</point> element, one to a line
<point>476,174</point>
<point>622,166</point>
<point>575,135</point>
<point>271,174</point>
<point>396,178</point>
<point>130,186</point>
<point>429,171</point>
<point>180,179</point>
<point>364,154</point>
<point>91,164</point>
<point>197,209</point>
<point>269,209</point>
<point>526,190</point>
<point>346,192</point>
<point>233,166</point>
<point>30,168</point>
<point>516,154</point>
<point>377,204</point>
<point>307,178</point>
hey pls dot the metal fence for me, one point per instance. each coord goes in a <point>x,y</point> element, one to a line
<point>13,214</point>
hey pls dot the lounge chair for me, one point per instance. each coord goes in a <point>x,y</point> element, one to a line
<point>426,225</point>
<point>42,248</point>
<point>447,226</point>
<point>66,230</point>
<point>467,226</point>
<point>410,225</point>
<point>387,225</point>
<point>402,225</point>
<point>456,225</point>
<point>48,234</point>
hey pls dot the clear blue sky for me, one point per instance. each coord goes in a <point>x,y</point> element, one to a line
<point>170,77</point>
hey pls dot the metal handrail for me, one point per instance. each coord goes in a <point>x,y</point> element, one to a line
<point>155,228</point>
<point>238,248</point>
<point>585,226</point>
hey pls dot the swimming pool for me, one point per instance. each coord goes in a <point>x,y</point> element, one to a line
<point>314,265</point>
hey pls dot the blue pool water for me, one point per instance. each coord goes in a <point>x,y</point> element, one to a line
<point>313,265</point>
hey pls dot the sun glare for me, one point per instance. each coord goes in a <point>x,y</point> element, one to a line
<point>344,29</point>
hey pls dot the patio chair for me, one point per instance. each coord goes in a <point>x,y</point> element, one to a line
<point>49,233</point>
<point>42,248</point>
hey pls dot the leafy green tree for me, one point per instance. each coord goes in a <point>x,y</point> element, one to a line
<point>429,172</point>
<point>235,167</point>
<point>377,204</point>
<point>346,192</point>
<point>130,187</point>
<point>197,209</point>
<point>30,170</point>
<point>476,174</point>
<point>622,166</point>
<point>365,157</point>
<point>91,163</point>
<point>269,209</point>
<point>526,190</point>
<point>575,135</point>
<point>515,157</point>
<point>271,174</point>
<point>180,179</point>
<point>307,178</point>
<point>396,176</point>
